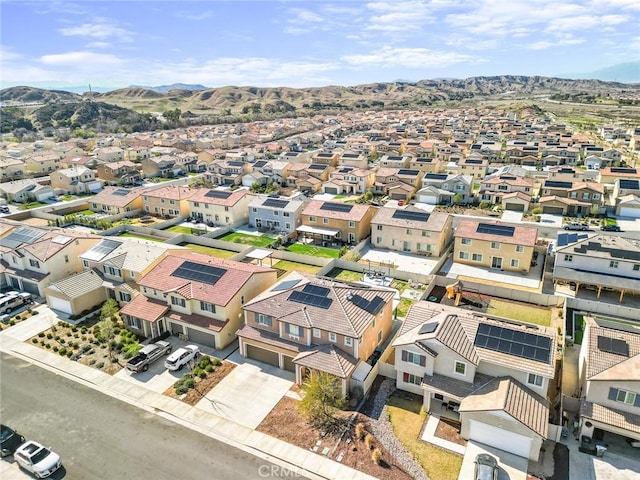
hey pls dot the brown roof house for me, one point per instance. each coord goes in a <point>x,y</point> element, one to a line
<point>219,206</point>
<point>491,373</point>
<point>117,200</point>
<point>336,222</point>
<point>305,324</point>
<point>197,297</point>
<point>168,202</point>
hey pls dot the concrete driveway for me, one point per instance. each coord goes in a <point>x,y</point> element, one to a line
<point>610,466</point>
<point>511,467</point>
<point>248,393</point>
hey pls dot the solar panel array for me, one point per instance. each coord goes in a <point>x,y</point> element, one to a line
<point>223,194</point>
<point>567,238</point>
<point>473,161</point>
<point>60,239</point>
<point>274,203</point>
<point>121,192</point>
<point>310,299</point>
<point>372,306</point>
<point>101,250</point>
<point>336,207</point>
<point>555,184</point>
<point>429,327</point>
<point>491,229</point>
<point>623,170</point>
<point>406,171</point>
<point>286,285</point>
<point>613,345</point>
<point>317,166</point>
<point>316,290</point>
<point>259,164</point>
<point>436,176</point>
<point>235,163</point>
<point>629,184</point>
<point>411,215</point>
<point>514,342</point>
<point>25,235</point>
<point>199,273</point>
<point>394,158</point>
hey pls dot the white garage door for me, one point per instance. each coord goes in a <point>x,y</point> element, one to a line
<point>499,438</point>
<point>630,212</point>
<point>60,305</point>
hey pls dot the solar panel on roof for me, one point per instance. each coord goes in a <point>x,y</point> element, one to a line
<point>629,184</point>
<point>310,299</point>
<point>286,285</point>
<point>436,176</point>
<point>101,250</point>
<point>260,164</point>
<point>316,290</point>
<point>235,163</point>
<point>121,192</point>
<point>25,235</point>
<point>613,345</point>
<point>317,166</point>
<point>336,207</point>
<point>490,229</point>
<point>372,306</point>
<point>274,203</point>
<point>394,158</point>
<point>555,184</point>
<point>429,327</point>
<point>411,215</point>
<point>623,170</point>
<point>60,239</point>
<point>223,194</point>
<point>406,171</point>
<point>514,342</point>
<point>473,161</point>
<point>198,272</point>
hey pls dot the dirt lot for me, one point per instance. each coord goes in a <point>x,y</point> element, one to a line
<point>286,423</point>
<point>450,430</point>
<point>202,385</point>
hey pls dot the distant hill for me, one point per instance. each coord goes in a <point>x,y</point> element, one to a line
<point>173,86</point>
<point>623,72</point>
<point>36,95</point>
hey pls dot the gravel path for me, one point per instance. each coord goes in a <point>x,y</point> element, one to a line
<point>383,432</point>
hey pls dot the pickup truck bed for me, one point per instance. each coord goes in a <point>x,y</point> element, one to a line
<point>149,354</point>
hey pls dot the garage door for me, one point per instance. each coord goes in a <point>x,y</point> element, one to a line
<point>30,287</point>
<point>203,338</point>
<point>499,438</point>
<point>262,355</point>
<point>331,190</point>
<point>397,196</point>
<point>630,212</point>
<point>517,207</point>
<point>175,328</point>
<point>288,363</point>
<point>553,210</point>
<point>60,304</point>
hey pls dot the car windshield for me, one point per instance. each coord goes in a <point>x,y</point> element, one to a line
<point>485,472</point>
<point>5,433</point>
<point>40,455</point>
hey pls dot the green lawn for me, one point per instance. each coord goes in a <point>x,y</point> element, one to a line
<point>214,252</point>
<point>313,251</point>
<point>520,312</point>
<point>248,239</point>
<point>399,285</point>
<point>578,328</point>
<point>143,237</point>
<point>407,418</point>
<point>180,229</point>
<point>85,212</point>
<point>29,206</point>
<point>68,198</point>
<point>288,266</point>
<point>403,307</point>
<point>346,275</point>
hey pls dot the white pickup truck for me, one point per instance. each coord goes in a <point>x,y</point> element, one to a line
<point>147,355</point>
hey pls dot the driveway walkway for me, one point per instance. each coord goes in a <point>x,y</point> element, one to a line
<point>511,467</point>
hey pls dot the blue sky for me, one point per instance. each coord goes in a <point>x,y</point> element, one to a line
<point>308,43</point>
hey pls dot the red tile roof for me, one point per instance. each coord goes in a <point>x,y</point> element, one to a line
<point>522,235</point>
<point>356,213</point>
<point>235,197</point>
<point>145,308</point>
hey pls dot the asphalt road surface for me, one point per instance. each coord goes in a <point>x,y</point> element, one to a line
<point>100,437</point>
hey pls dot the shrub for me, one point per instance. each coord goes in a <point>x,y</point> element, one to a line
<point>41,334</point>
<point>208,368</point>
<point>204,361</point>
<point>34,340</point>
<point>69,353</point>
<point>202,374</point>
<point>18,317</point>
<point>55,348</point>
<point>368,441</point>
<point>83,338</point>
<point>57,337</point>
<point>376,456</point>
<point>359,431</point>
<point>196,371</point>
<point>215,362</point>
<point>92,361</point>
<point>114,360</point>
<point>48,346</point>
<point>62,341</point>
<point>12,322</point>
<point>76,335</point>
<point>99,364</point>
<point>74,329</point>
<point>42,342</point>
<point>83,330</point>
<point>62,351</point>
<point>35,312</point>
<point>189,382</point>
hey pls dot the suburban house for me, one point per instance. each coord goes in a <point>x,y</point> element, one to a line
<point>628,206</point>
<point>121,173</point>
<point>336,222</point>
<point>355,160</point>
<point>44,162</point>
<point>11,168</point>
<point>349,181</point>
<point>33,258</point>
<point>609,175</point>
<point>493,190</point>
<point>425,164</point>
<point>475,167</point>
<point>411,230</point>
<point>588,196</point>
<point>227,172</point>
<point>109,154</point>
<point>609,382</point>
<point>116,200</point>
<point>220,206</point>
<point>305,324</point>
<point>195,296</point>
<point>395,161</point>
<point>26,190</point>
<point>76,180</point>
<point>598,262</point>
<point>495,245</point>
<point>279,214</point>
<point>168,202</point>
<point>625,186</point>
<point>165,166</point>
<point>445,189</point>
<point>494,374</point>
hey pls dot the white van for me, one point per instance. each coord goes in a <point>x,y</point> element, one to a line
<point>11,302</point>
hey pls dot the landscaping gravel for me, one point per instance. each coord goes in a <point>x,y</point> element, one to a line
<point>383,432</point>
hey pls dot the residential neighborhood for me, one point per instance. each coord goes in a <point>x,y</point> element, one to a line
<point>472,274</point>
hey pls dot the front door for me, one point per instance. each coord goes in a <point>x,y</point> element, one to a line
<point>496,262</point>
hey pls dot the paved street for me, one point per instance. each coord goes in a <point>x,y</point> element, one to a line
<point>99,437</point>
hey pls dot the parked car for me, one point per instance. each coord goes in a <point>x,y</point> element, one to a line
<point>10,302</point>
<point>10,440</point>
<point>181,357</point>
<point>37,459</point>
<point>610,228</point>
<point>147,355</point>
<point>576,226</point>
<point>486,467</point>
<point>4,209</point>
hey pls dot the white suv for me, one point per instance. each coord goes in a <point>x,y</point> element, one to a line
<point>37,459</point>
<point>181,357</point>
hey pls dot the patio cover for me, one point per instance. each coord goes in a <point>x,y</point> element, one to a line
<point>318,230</point>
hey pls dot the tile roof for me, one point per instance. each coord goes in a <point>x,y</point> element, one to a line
<point>508,395</point>
<point>327,358</point>
<point>270,338</point>
<point>453,387</point>
<point>145,308</point>
<point>106,196</point>
<point>78,284</point>
<point>610,366</point>
<point>610,416</point>
<point>522,235</point>
<point>198,320</point>
<point>435,221</point>
<point>230,201</point>
<point>171,192</point>
<point>356,213</point>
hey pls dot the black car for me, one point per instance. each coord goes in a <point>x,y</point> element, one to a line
<point>486,467</point>
<point>10,440</point>
<point>610,228</point>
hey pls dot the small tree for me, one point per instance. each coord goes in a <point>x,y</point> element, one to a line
<point>107,332</point>
<point>109,309</point>
<point>322,397</point>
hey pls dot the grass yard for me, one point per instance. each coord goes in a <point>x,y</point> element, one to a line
<point>520,312</point>
<point>313,251</point>
<point>245,239</point>
<point>406,417</point>
<point>345,275</point>
<point>142,237</point>
<point>85,212</point>
<point>403,307</point>
<point>288,266</point>
<point>214,252</point>
<point>68,198</point>
<point>29,206</point>
<point>578,328</point>
<point>399,285</point>
<point>180,229</point>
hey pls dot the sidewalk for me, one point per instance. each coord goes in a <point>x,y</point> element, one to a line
<point>292,458</point>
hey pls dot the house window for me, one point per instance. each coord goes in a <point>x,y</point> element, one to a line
<point>34,263</point>
<point>134,322</point>
<point>85,264</point>
<point>379,227</point>
<point>495,245</point>
<point>519,248</point>
<point>378,239</point>
<point>352,224</point>
<point>477,257</point>
<point>515,263</point>
<point>412,357</point>
<point>596,196</point>
<point>253,209</point>
<point>463,255</point>
<point>325,221</point>
<point>465,241</point>
<point>379,336</point>
<point>410,378</point>
<point>636,267</point>
<point>568,258</point>
<point>626,397</point>
<point>66,259</point>
<point>408,231</point>
<point>460,368</point>
<point>332,337</point>
<point>207,307</point>
<point>534,379</point>
<point>426,233</point>
<point>316,333</point>
<point>613,264</point>
<point>111,271</point>
<point>285,214</point>
<point>124,297</point>
<point>294,330</point>
<point>263,320</point>
<point>312,219</point>
<point>275,213</point>
<point>348,341</point>
<point>178,301</point>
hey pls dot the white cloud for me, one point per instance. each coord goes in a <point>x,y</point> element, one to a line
<point>398,17</point>
<point>195,16</point>
<point>544,44</point>
<point>98,45</point>
<point>101,29</point>
<point>408,58</point>
<point>84,60</point>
